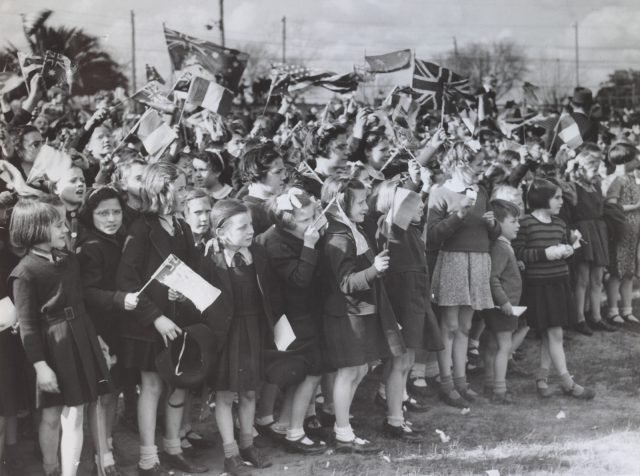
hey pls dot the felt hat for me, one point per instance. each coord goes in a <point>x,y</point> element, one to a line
<point>582,96</point>
<point>288,367</point>
<point>188,359</point>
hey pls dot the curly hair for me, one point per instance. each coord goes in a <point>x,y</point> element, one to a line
<point>256,161</point>
<point>318,139</point>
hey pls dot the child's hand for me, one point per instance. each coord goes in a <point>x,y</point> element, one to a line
<point>175,295</point>
<point>438,138</point>
<point>414,171</point>
<point>167,329</point>
<point>507,308</point>
<point>381,261</point>
<point>490,219</point>
<point>466,204</point>
<point>521,265</point>
<point>567,250</point>
<point>46,379</point>
<point>311,237</point>
<point>130,301</point>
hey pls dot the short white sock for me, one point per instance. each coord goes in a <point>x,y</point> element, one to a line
<point>344,434</point>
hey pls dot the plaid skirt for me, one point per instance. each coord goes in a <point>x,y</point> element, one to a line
<point>462,279</point>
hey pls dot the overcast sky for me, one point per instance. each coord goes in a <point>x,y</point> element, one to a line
<point>334,34</point>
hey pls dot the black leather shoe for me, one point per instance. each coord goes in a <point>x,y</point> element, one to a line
<point>297,446</point>
<point>234,466</point>
<point>603,326</point>
<point>583,328</point>
<point>267,431</point>
<point>416,391</point>
<point>414,406</point>
<point>180,463</point>
<point>198,441</point>
<point>357,446</point>
<point>453,399</point>
<point>155,471</point>
<point>255,457</point>
<point>402,432</point>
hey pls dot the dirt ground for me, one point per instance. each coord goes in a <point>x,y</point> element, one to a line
<point>601,437</point>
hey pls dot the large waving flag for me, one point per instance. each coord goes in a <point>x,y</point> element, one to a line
<point>224,65</point>
<point>295,78</point>
<point>434,83</point>
<point>389,62</point>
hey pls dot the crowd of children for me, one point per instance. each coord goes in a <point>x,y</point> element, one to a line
<point>377,250</point>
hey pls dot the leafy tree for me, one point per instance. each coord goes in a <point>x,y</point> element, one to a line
<point>94,69</point>
<point>621,90</point>
<point>504,59</point>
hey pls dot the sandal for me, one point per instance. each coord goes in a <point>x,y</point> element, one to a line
<point>631,318</point>
<point>543,389</point>
<point>579,392</point>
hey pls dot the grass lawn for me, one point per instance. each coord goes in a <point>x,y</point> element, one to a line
<point>600,437</point>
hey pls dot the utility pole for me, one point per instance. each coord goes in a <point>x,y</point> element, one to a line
<point>133,51</point>
<point>284,40</point>
<point>455,51</point>
<point>221,22</point>
<point>575,26</point>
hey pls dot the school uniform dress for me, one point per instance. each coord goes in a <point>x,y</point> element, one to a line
<point>547,290</point>
<point>409,289</point>
<point>242,318</point>
<point>588,219</point>
<point>146,247</point>
<point>99,256</point>
<point>359,323</point>
<point>296,266</point>
<point>506,286</point>
<point>624,259</point>
<point>55,328</point>
<point>463,267</point>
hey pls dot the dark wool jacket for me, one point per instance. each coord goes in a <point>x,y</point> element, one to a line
<point>296,268</point>
<point>351,284</point>
<point>147,245</point>
<point>99,256</point>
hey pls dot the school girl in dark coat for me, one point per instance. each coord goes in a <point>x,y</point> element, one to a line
<point>242,320</point>
<point>160,313</point>
<point>99,252</point>
<point>57,334</point>
<point>292,248</point>
<point>359,324</point>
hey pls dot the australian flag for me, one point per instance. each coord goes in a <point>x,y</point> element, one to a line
<point>223,65</point>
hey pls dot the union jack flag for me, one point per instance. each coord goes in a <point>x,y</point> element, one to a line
<point>225,65</point>
<point>434,83</point>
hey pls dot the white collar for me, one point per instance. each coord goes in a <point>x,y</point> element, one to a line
<point>229,254</point>
<point>458,186</point>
